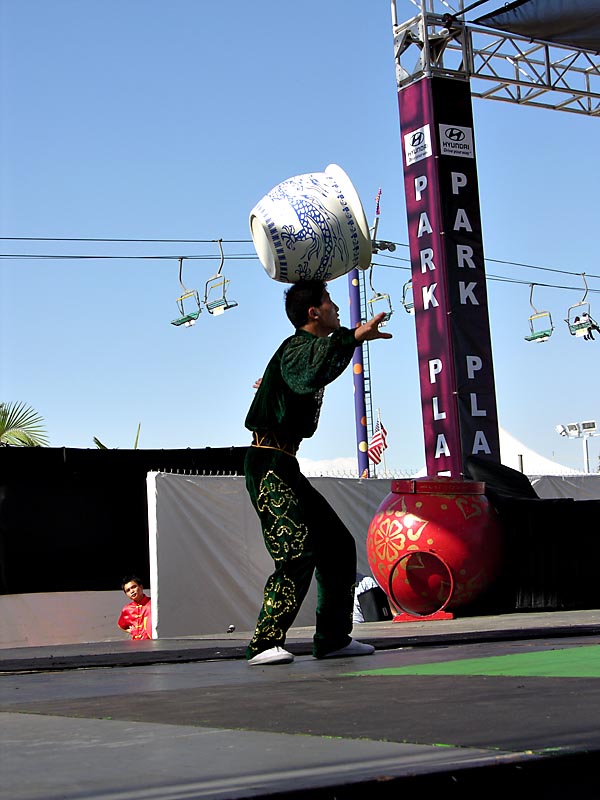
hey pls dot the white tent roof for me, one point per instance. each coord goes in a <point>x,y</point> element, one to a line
<point>515,454</point>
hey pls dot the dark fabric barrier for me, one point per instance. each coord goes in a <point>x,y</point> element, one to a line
<point>77,520</point>
<point>552,546</point>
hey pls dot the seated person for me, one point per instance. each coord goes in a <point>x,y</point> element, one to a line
<point>371,603</point>
<point>591,326</point>
<point>363,584</point>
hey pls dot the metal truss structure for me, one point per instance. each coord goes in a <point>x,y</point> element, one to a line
<point>500,66</point>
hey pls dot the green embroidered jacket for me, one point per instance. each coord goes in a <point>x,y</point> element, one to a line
<point>288,400</point>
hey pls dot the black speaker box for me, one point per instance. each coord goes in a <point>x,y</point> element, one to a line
<point>374,605</point>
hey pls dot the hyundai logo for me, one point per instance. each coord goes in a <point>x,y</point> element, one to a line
<point>454,134</point>
<point>417,139</point>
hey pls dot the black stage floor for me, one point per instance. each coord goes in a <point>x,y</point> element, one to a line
<point>455,706</point>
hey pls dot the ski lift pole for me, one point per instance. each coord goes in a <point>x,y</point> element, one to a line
<point>376,222</point>
<point>358,373</point>
<point>374,236</point>
<point>361,415</point>
<point>376,246</point>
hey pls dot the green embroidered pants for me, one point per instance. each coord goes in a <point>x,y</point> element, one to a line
<point>303,535</point>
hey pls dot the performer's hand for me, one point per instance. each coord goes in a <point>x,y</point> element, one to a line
<point>257,383</point>
<point>370,330</point>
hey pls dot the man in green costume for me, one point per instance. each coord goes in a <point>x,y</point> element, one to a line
<point>302,533</point>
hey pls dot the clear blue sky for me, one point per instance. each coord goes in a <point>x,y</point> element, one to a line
<point>170,120</point>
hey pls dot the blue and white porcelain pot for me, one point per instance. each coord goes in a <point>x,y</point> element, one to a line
<point>311,227</point>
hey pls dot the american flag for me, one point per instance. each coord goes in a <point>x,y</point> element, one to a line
<point>378,443</point>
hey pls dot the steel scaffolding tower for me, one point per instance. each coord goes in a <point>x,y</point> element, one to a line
<point>500,66</point>
<point>497,65</point>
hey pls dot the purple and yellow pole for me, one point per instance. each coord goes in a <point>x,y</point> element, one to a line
<point>360,410</point>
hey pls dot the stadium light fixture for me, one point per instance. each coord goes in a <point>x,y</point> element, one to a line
<point>580,430</point>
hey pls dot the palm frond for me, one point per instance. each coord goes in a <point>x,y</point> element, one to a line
<point>101,446</point>
<point>22,426</point>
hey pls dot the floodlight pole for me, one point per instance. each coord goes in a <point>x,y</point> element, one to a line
<point>578,430</point>
<point>586,454</point>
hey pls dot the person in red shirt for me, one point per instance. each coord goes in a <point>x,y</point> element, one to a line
<point>136,616</point>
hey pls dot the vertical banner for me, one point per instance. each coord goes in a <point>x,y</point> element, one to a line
<point>458,398</point>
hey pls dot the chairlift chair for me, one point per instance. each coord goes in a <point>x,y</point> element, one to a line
<point>187,318</point>
<point>541,327</point>
<point>407,297</point>
<point>217,285</point>
<point>219,304</point>
<point>540,322</point>
<point>578,326</point>
<point>379,297</point>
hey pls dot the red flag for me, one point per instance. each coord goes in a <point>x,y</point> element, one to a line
<point>378,443</point>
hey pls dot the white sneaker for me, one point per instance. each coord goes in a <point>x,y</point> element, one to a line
<point>274,655</point>
<point>353,649</point>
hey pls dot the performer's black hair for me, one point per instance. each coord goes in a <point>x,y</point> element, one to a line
<point>302,296</point>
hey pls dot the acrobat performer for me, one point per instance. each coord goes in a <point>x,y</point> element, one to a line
<point>302,533</point>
